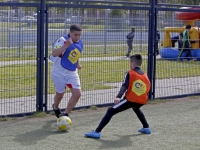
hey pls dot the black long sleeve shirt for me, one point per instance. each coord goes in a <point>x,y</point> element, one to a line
<point>130,36</point>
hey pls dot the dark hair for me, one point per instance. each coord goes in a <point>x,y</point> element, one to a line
<point>133,29</point>
<point>75,27</point>
<point>188,26</point>
<point>181,34</point>
<point>137,58</point>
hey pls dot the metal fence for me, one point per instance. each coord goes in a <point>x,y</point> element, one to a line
<point>18,68</point>
<point>177,78</point>
<point>104,47</point>
<point>27,35</point>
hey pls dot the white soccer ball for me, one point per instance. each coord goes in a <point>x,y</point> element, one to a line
<point>64,123</point>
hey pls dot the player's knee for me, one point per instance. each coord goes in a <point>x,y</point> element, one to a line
<point>79,95</point>
<point>110,110</point>
<point>59,95</point>
<point>137,110</point>
<point>76,95</point>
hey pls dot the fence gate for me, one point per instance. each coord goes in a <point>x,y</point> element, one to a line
<point>104,36</point>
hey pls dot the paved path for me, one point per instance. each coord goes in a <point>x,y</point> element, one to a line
<point>5,63</point>
<point>85,45</point>
<point>86,36</point>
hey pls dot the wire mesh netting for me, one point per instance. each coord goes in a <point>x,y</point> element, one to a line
<point>104,62</point>
<point>18,53</point>
<point>178,74</point>
<point>104,58</point>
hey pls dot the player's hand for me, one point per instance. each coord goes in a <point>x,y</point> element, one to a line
<point>79,66</point>
<point>117,100</point>
<point>68,42</point>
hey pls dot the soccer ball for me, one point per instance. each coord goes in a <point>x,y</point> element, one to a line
<point>64,123</point>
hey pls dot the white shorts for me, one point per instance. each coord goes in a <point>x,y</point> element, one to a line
<point>70,81</point>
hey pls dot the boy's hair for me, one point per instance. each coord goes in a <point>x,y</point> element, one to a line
<point>133,29</point>
<point>137,58</point>
<point>188,26</point>
<point>75,27</point>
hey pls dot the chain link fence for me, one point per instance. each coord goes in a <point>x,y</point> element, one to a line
<point>103,59</point>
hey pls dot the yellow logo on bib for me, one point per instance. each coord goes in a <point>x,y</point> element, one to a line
<point>139,87</point>
<point>74,55</point>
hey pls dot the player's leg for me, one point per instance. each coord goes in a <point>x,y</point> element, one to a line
<point>57,99</point>
<point>187,50</point>
<point>60,87</point>
<point>73,83</point>
<point>156,48</point>
<point>127,55</point>
<point>123,105</point>
<point>181,52</point>
<point>76,94</point>
<point>190,53</point>
<point>142,119</point>
<point>130,47</point>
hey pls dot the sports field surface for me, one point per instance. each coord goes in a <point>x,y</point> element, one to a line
<point>174,123</point>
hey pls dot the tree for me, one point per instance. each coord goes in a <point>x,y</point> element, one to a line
<point>190,2</point>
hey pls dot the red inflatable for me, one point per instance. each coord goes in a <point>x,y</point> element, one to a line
<point>188,16</point>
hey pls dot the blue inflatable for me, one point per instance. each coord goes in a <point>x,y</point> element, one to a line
<point>171,53</point>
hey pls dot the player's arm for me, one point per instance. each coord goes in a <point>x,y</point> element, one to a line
<point>124,86</point>
<point>128,36</point>
<point>132,36</point>
<point>57,52</point>
<point>188,38</point>
<point>78,65</point>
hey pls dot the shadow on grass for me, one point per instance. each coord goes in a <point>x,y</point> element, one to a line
<point>31,138</point>
<point>121,142</point>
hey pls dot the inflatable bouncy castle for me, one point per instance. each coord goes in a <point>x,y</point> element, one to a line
<point>172,53</point>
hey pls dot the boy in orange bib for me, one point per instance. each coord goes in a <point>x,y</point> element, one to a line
<point>136,86</point>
